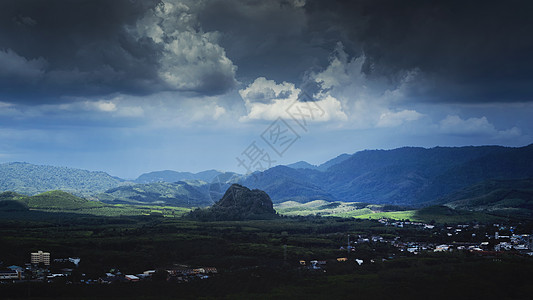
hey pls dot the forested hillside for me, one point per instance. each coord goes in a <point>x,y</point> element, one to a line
<point>181,193</point>
<point>503,197</point>
<point>32,179</point>
<point>407,176</point>
<point>404,176</point>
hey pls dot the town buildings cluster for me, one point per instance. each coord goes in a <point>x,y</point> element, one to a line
<point>491,239</point>
<point>460,237</point>
<point>473,238</point>
<point>42,268</point>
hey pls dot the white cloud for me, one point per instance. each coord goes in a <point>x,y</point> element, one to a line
<point>342,72</point>
<point>454,125</point>
<point>161,110</point>
<point>509,133</point>
<point>373,102</point>
<point>115,107</point>
<point>346,94</point>
<point>219,111</point>
<point>173,110</point>
<point>191,113</point>
<point>5,105</point>
<point>393,119</point>
<point>192,60</point>
<point>106,106</point>
<point>267,100</point>
<point>368,102</point>
<point>266,91</point>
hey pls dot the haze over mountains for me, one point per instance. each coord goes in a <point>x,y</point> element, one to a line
<point>406,176</point>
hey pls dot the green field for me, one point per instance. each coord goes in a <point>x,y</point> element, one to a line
<point>344,210</point>
<point>109,210</point>
<point>431,214</point>
<point>62,202</point>
<point>325,208</point>
<point>394,215</point>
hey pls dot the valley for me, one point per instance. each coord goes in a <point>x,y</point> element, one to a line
<point>267,258</point>
<point>402,223</point>
<point>408,177</point>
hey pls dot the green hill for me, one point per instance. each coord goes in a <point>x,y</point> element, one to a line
<point>32,179</point>
<point>287,184</point>
<point>444,214</point>
<point>238,203</point>
<point>52,200</point>
<point>54,204</point>
<point>183,194</point>
<point>12,206</point>
<point>59,200</point>
<point>11,196</point>
<point>501,197</point>
<point>434,214</point>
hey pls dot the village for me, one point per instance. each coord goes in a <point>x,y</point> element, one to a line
<point>42,269</point>
<point>485,240</point>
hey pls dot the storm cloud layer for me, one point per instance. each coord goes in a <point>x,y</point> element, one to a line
<point>468,50</point>
<point>473,51</point>
<point>52,49</point>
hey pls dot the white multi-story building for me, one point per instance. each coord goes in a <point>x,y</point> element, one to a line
<point>40,257</point>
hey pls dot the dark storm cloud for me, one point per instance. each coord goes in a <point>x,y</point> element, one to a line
<point>265,38</point>
<point>468,50</point>
<point>75,48</point>
<point>465,51</point>
<point>50,49</point>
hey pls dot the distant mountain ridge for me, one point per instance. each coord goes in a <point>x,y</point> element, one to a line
<point>408,176</point>
<point>287,184</point>
<point>30,179</point>
<point>174,176</point>
<point>405,176</point>
<point>322,167</point>
<point>302,165</point>
<point>181,193</point>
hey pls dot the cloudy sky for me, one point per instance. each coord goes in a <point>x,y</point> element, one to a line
<point>131,86</point>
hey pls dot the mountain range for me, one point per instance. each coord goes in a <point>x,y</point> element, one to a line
<point>408,176</point>
<point>405,176</point>
<point>181,193</point>
<point>30,179</point>
<point>502,197</point>
<point>174,176</point>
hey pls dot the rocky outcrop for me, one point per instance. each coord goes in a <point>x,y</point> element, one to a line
<point>238,203</point>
